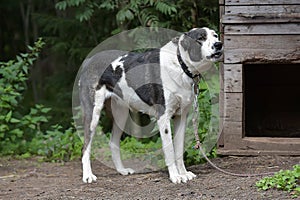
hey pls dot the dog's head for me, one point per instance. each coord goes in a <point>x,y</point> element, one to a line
<point>201,44</point>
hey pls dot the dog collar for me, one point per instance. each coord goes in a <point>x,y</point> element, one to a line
<point>184,67</point>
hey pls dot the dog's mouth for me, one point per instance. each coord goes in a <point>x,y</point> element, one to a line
<point>216,55</point>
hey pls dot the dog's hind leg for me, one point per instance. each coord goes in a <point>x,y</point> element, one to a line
<point>120,114</point>
<point>90,124</point>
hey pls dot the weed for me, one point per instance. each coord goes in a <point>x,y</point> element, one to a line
<point>286,180</point>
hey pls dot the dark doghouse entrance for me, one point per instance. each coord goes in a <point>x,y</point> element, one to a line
<point>272,100</point>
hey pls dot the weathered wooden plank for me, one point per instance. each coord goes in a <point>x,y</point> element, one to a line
<point>261,9</point>
<point>239,152</point>
<point>261,18</point>
<point>267,143</point>
<point>233,128</point>
<point>261,144</point>
<point>221,2</point>
<point>233,107</point>
<point>220,141</point>
<point>233,78</point>
<point>261,56</point>
<point>262,49</point>
<point>221,104</point>
<point>261,42</point>
<point>263,29</point>
<point>221,13</point>
<point>232,134</point>
<point>221,95</point>
<point>261,2</point>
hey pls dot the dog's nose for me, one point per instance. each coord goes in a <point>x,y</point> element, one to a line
<point>218,45</point>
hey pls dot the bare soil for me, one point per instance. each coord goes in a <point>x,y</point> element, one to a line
<point>30,179</point>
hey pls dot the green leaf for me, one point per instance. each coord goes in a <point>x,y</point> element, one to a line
<point>8,116</point>
<point>32,126</point>
<point>14,120</point>
<point>86,15</point>
<point>16,132</point>
<point>45,110</point>
<point>33,111</point>
<point>62,5</point>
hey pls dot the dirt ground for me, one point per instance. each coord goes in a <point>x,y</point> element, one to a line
<point>30,179</point>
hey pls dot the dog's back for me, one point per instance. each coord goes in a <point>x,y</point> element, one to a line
<point>93,67</point>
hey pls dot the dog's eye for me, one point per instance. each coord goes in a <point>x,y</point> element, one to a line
<point>215,35</point>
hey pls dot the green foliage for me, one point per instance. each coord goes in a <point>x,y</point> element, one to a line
<point>58,144</point>
<point>142,146</point>
<point>27,134</point>
<point>286,180</point>
<point>14,74</point>
<point>22,130</point>
<point>14,127</point>
<point>181,15</point>
<point>132,147</point>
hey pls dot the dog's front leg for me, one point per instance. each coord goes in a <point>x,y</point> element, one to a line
<point>180,126</point>
<point>168,148</point>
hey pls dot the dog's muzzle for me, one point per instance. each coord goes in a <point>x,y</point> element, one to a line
<point>218,46</point>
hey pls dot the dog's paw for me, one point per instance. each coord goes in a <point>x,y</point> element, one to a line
<point>89,178</point>
<point>188,176</point>
<point>126,171</point>
<point>182,178</point>
<point>178,179</point>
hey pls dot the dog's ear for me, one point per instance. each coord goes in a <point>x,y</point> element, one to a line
<point>185,42</point>
<point>175,40</point>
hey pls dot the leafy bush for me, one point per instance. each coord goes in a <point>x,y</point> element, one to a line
<point>57,144</point>
<point>30,133</point>
<point>16,128</point>
<point>138,148</point>
<point>286,180</point>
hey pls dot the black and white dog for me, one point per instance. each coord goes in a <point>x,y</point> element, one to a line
<point>158,82</point>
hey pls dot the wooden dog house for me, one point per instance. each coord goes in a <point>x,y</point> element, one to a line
<point>260,90</point>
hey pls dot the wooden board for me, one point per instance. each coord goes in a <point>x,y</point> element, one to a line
<point>260,19</point>
<point>260,145</point>
<point>262,42</point>
<point>260,2</point>
<point>262,49</point>
<point>261,56</point>
<point>263,29</point>
<point>232,133</point>
<point>220,141</point>
<point>233,78</point>
<point>261,9</point>
<point>221,95</point>
<point>221,13</point>
<point>251,152</point>
<point>233,107</point>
